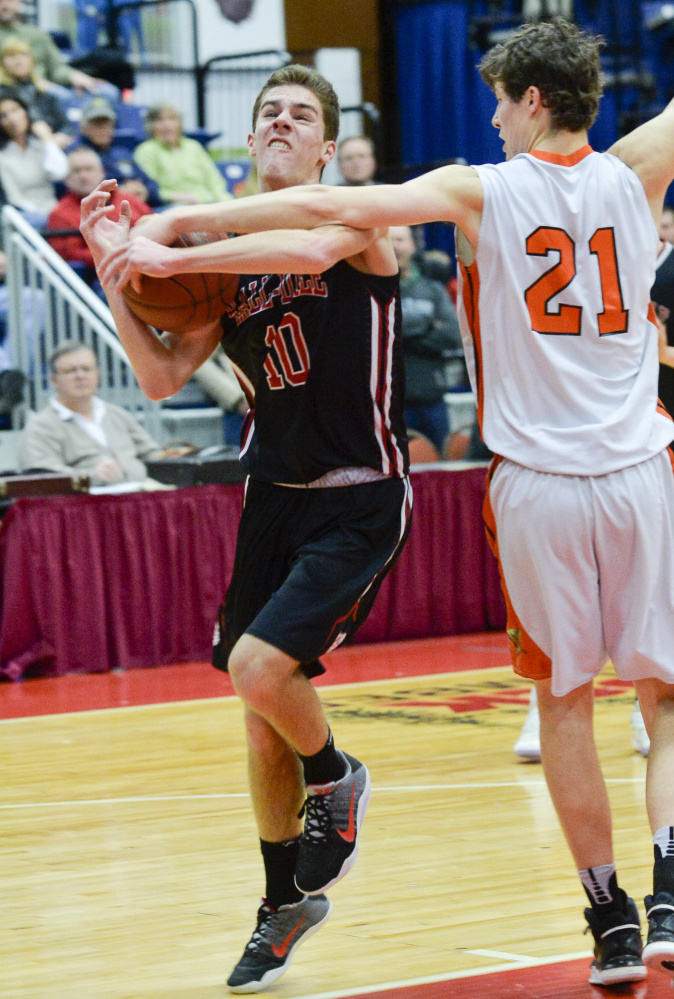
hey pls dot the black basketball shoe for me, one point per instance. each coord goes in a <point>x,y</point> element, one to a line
<point>334,814</point>
<point>659,949</point>
<point>277,934</point>
<point>617,945</point>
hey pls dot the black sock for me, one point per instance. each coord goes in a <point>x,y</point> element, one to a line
<point>324,766</point>
<point>663,873</point>
<point>280,861</point>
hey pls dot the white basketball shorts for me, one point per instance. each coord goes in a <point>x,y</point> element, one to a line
<point>588,563</point>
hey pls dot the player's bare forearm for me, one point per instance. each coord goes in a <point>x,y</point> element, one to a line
<point>161,364</point>
<point>277,252</point>
<point>450,194</point>
<point>281,210</point>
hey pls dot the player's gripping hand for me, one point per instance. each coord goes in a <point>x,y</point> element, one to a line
<point>124,264</point>
<point>101,232</point>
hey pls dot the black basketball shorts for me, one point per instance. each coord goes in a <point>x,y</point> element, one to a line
<point>308,565</point>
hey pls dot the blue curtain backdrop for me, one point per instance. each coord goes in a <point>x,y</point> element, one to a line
<point>446,109</point>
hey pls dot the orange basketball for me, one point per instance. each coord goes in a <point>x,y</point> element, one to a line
<point>183,302</point>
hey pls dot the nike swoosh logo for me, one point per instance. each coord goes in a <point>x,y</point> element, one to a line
<point>282,950</point>
<point>349,834</point>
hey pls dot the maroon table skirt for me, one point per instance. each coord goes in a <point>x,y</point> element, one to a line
<point>93,583</point>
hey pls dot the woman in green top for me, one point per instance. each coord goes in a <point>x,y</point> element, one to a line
<point>182,168</point>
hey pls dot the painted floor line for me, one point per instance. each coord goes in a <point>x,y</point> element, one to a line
<point>452,976</point>
<point>503,956</point>
<point>226,795</point>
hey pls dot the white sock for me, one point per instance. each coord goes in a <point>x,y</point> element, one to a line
<point>596,883</point>
<point>664,839</point>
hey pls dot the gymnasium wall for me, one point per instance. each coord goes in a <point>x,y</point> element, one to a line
<point>338,24</point>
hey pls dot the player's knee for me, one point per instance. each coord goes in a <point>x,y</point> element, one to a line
<point>244,672</point>
<point>255,674</point>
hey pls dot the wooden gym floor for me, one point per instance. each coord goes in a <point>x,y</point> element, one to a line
<point>129,865</point>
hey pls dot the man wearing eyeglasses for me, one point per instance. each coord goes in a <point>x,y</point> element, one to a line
<point>78,433</point>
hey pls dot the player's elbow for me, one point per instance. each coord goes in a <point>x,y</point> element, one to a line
<point>319,253</point>
<point>154,392</point>
<point>160,385</point>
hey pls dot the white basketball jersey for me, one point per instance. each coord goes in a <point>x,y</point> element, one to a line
<point>554,314</point>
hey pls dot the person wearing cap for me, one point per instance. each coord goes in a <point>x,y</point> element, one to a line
<point>97,132</point>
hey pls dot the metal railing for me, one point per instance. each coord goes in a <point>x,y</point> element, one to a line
<point>50,303</point>
<point>229,85</point>
<point>216,95</point>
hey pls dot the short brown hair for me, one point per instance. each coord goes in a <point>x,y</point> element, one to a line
<point>68,347</point>
<point>559,59</point>
<point>302,76</point>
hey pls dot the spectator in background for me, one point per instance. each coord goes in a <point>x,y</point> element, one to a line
<point>437,265</point>
<point>78,433</point>
<point>218,380</point>
<point>30,160</point>
<point>182,168</point>
<point>17,72</point>
<point>97,132</point>
<point>356,161</point>
<point>49,64</point>
<point>662,295</point>
<point>430,338</point>
<point>33,321</point>
<point>667,224</point>
<point>85,172</point>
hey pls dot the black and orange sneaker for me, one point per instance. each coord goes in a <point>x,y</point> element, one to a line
<point>334,814</point>
<point>277,934</point>
<point>659,949</point>
<point>617,945</point>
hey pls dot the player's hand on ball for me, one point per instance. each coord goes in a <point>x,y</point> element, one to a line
<point>165,296</point>
<point>140,256</point>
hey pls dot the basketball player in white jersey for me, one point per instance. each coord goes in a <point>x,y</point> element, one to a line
<point>558,248</point>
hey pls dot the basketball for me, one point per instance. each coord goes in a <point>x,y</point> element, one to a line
<point>183,302</point>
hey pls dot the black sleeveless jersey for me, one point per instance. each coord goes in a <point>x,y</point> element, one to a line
<point>320,360</point>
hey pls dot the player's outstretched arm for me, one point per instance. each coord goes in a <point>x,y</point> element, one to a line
<point>649,151</point>
<point>450,194</point>
<point>292,251</point>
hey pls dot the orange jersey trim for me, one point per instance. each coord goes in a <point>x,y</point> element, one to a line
<point>560,160</point>
<point>471,305</point>
<point>528,660</point>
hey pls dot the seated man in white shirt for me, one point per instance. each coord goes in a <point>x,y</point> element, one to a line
<point>80,434</point>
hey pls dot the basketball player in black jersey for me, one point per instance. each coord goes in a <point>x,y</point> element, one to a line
<point>314,336</point>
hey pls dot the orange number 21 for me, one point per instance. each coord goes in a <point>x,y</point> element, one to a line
<point>566,320</point>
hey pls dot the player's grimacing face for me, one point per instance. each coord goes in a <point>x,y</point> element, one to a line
<point>289,140</point>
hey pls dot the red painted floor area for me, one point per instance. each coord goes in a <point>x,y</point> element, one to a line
<point>564,980</point>
<point>195,681</point>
